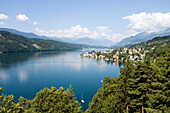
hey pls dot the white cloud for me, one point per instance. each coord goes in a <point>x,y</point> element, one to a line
<point>3,16</point>
<point>79,32</point>
<point>2,23</point>
<point>103,28</point>
<point>21,17</point>
<point>148,22</point>
<point>35,23</point>
<point>74,32</point>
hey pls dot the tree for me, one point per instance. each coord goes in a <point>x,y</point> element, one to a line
<point>161,83</point>
<point>8,105</point>
<point>54,100</point>
<point>25,104</point>
<point>125,74</point>
<point>107,98</point>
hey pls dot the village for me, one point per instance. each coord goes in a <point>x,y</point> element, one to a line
<point>121,54</point>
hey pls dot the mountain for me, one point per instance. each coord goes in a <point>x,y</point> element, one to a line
<point>87,41</point>
<point>10,42</point>
<point>157,41</point>
<point>29,35</point>
<point>141,37</point>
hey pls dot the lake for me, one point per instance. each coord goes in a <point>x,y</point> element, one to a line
<point>25,74</point>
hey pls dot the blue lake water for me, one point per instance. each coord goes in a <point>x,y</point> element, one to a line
<point>24,74</point>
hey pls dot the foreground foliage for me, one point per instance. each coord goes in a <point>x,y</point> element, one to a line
<point>46,101</point>
<point>144,87</point>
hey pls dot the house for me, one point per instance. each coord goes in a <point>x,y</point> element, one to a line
<point>85,55</point>
<point>146,51</point>
<point>130,51</point>
<point>115,56</point>
<point>102,52</point>
<point>153,47</point>
<point>125,49</point>
<point>134,50</point>
<point>93,54</point>
<point>111,50</point>
<point>106,52</point>
<point>136,57</point>
<point>117,53</point>
<point>101,56</point>
<point>131,58</point>
<point>142,56</point>
<point>139,49</point>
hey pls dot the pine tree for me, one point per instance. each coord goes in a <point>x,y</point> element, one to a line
<point>139,85</point>
<point>8,105</point>
<point>54,100</point>
<point>107,98</point>
<point>161,83</point>
<point>125,74</point>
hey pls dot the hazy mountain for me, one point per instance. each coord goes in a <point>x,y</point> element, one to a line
<point>86,40</point>
<point>28,35</point>
<point>10,42</point>
<point>141,37</point>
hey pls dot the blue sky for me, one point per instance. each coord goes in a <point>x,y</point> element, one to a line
<point>111,19</point>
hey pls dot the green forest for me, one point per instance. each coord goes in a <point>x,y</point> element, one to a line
<point>158,42</point>
<point>143,87</point>
<point>10,42</point>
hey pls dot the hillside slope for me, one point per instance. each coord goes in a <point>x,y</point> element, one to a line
<point>157,41</point>
<point>141,37</point>
<point>84,40</point>
<point>28,35</point>
<point>10,42</point>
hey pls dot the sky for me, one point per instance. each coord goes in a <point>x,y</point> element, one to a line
<point>110,19</point>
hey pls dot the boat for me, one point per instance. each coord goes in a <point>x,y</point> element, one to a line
<point>101,80</point>
<point>82,101</point>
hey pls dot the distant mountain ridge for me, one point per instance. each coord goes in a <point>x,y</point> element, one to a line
<point>88,41</point>
<point>141,37</point>
<point>28,35</point>
<point>10,42</point>
<point>83,40</point>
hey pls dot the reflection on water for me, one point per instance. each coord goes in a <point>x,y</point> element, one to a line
<point>11,59</point>
<point>4,77</point>
<point>24,74</point>
<point>100,61</point>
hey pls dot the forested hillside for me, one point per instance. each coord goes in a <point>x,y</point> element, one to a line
<point>143,87</point>
<point>10,42</point>
<point>141,37</point>
<point>140,88</point>
<point>155,45</point>
<point>157,41</point>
